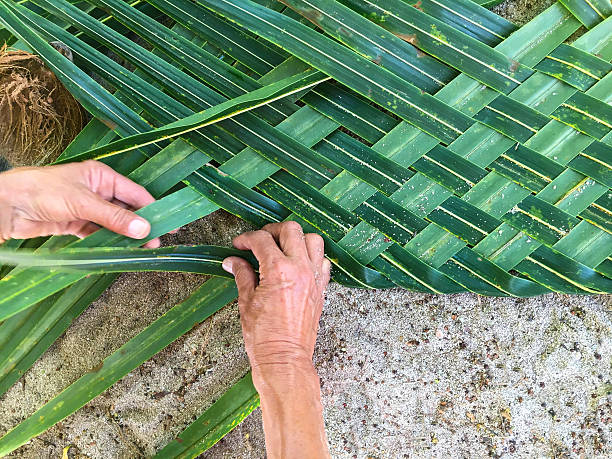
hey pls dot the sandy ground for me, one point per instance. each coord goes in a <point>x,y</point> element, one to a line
<point>403,374</point>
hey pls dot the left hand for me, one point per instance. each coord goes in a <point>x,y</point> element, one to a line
<point>75,198</point>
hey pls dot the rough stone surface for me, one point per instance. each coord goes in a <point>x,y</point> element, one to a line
<point>403,374</point>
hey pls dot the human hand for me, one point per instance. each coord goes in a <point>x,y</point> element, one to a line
<point>280,313</point>
<point>280,318</point>
<point>71,199</point>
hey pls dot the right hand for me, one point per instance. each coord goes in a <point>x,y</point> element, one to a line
<point>280,312</point>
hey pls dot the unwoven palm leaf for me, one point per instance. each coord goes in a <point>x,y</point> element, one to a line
<point>435,146</point>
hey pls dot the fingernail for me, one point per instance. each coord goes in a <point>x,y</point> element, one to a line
<point>138,229</point>
<point>227,265</point>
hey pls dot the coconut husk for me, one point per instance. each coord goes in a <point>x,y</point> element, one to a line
<point>38,116</point>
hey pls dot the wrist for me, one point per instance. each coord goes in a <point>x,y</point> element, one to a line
<point>285,378</point>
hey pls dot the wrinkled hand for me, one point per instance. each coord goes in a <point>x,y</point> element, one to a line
<point>71,199</point>
<point>280,313</point>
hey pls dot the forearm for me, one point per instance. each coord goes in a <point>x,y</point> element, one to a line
<point>280,311</point>
<point>292,413</point>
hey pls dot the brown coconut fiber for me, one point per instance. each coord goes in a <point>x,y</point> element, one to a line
<point>38,116</point>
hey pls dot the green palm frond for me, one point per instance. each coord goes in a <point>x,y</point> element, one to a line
<point>225,414</point>
<point>200,259</point>
<point>434,145</point>
<point>208,299</point>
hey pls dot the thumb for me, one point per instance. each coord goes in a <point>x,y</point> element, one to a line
<point>113,217</point>
<point>246,279</point>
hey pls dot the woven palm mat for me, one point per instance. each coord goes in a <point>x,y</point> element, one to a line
<point>451,152</point>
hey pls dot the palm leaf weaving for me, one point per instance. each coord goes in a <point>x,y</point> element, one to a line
<point>435,146</point>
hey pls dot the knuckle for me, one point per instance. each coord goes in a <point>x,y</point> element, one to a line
<point>93,172</point>
<point>119,216</point>
<point>93,165</point>
<point>292,226</point>
<point>315,238</point>
<point>269,227</point>
<point>250,235</point>
<point>259,234</point>
<point>239,268</point>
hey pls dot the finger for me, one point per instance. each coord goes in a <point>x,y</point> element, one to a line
<point>95,209</point>
<point>153,244</point>
<point>290,238</point>
<point>84,228</point>
<point>30,229</point>
<point>246,279</point>
<point>262,244</point>
<point>121,204</point>
<point>104,181</point>
<point>130,192</point>
<point>315,247</point>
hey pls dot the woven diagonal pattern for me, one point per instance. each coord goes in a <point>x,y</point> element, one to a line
<point>451,151</point>
<point>435,146</point>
